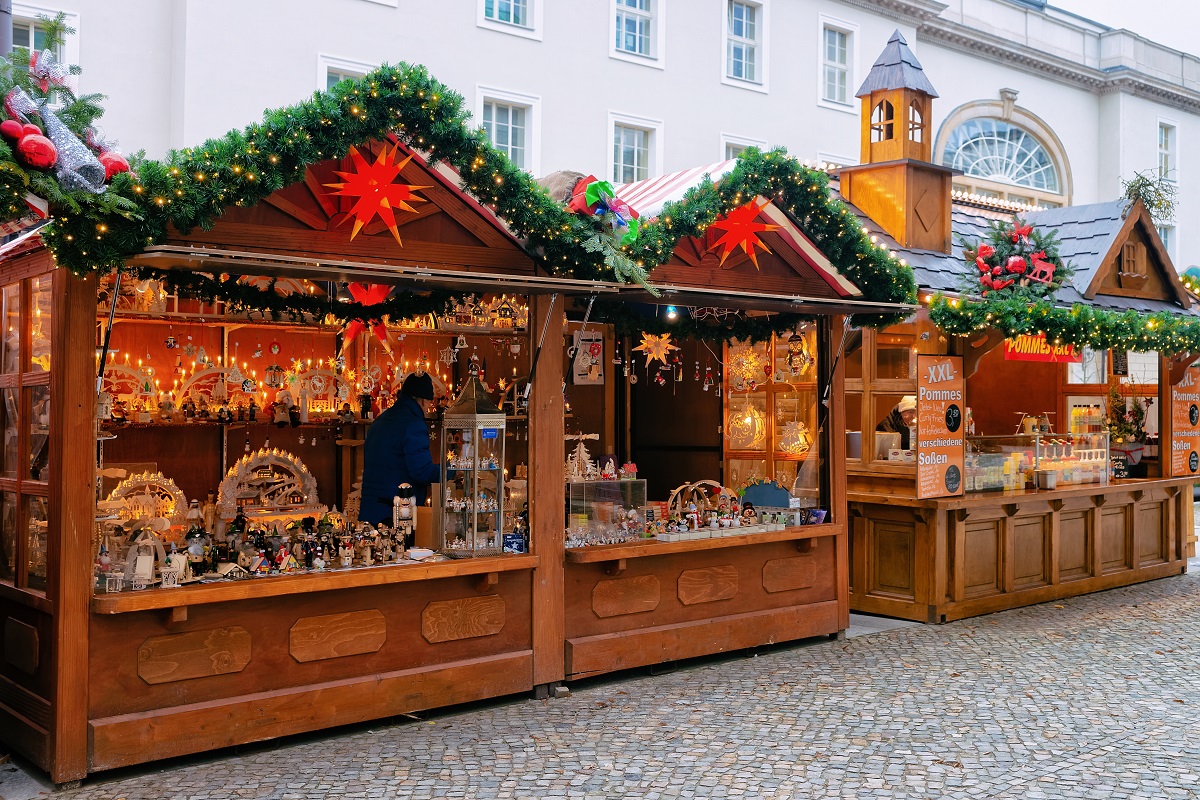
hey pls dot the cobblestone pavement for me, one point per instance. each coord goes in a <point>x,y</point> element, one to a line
<point>1094,697</point>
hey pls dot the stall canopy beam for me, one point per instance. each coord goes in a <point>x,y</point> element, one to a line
<point>780,303</point>
<point>237,262</point>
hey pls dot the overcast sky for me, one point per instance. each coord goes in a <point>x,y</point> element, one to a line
<point>1175,23</point>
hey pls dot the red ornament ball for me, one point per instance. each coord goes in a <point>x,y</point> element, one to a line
<point>29,129</point>
<point>114,163</point>
<point>38,151</point>
<point>11,129</point>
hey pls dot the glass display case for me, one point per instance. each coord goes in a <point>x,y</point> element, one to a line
<point>473,474</point>
<point>605,512</point>
<point>1002,463</point>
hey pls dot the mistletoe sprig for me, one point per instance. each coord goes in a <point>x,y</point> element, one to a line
<point>1017,260</point>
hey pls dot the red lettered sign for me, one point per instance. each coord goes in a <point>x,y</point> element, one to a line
<point>1027,347</point>
<point>1185,424</point>
<point>941,415</point>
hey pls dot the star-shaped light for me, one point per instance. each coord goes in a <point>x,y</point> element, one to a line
<point>741,229</point>
<point>372,184</point>
<point>367,295</point>
<point>656,347</point>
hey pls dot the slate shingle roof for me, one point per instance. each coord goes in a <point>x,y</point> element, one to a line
<point>896,68</point>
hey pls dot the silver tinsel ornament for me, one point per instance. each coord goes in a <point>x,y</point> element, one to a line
<point>77,168</point>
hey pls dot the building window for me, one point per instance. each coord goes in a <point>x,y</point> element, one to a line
<point>1166,151</point>
<point>505,125</point>
<point>1001,152</point>
<point>332,70</point>
<point>631,153</point>
<point>31,34</point>
<point>883,118</point>
<point>335,76</point>
<point>1167,234</point>
<point>510,12</point>
<point>916,123</point>
<point>836,65</point>
<point>635,27</point>
<point>733,146</point>
<point>743,29</point>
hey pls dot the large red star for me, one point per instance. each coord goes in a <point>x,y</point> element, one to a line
<point>741,230</point>
<point>372,184</point>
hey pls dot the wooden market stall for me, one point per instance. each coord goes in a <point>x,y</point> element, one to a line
<point>707,423</point>
<point>1014,519</point>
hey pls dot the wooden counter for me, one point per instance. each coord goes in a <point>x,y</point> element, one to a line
<point>650,602</point>
<point>948,558</point>
<point>177,671</point>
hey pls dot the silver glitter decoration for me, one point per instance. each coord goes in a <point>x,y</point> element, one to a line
<point>77,169</point>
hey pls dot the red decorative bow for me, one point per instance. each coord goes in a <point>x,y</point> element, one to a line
<point>368,295</point>
<point>46,69</point>
<point>1021,232</point>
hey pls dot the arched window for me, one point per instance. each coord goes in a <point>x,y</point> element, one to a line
<point>1001,152</point>
<point>882,121</point>
<point>916,123</point>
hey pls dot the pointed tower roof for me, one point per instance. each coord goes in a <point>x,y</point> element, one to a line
<point>896,68</point>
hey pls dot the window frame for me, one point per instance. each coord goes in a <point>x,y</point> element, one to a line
<point>533,125</point>
<point>654,147</point>
<point>658,37</point>
<point>728,139</point>
<point>851,30</point>
<point>327,63</point>
<point>1173,151</point>
<point>533,31</point>
<point>763,42</point>
<point>27,12</point>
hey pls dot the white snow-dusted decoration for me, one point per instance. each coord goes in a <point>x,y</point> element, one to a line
<point>268,482</point>
<point>148,495</point>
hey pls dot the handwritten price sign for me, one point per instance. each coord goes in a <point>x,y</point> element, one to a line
<point>941,449</point>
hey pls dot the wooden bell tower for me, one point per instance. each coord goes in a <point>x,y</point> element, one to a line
<point>897,184</point>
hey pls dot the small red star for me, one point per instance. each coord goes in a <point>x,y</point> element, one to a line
<point>742,230</point>
<point>372,184</point>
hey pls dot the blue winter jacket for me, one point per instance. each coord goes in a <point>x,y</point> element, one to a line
<point>396,452</point>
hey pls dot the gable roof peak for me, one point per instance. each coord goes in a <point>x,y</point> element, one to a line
<point>896,68</point>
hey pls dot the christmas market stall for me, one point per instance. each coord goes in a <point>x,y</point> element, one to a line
<point>196,351</point>
<point>1030,434</point>
<point>712,516</point>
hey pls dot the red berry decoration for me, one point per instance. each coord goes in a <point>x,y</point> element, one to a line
<point>11,129</point>
<point>114,163</point>
<point>38,151</point>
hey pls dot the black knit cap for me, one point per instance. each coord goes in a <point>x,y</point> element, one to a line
<point>418,386</point>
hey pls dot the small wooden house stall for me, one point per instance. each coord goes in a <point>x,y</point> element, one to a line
<point>1045,385</point>
<point>718,383</point>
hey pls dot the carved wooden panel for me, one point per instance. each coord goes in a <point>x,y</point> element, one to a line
<point>789,574</point>
<point>196,654</point>
<point>1115,539</point>
<point>981,561</point>
<point>21,645</point>
<point>1151,537</point>
<point>891,565</point>
<point>464,618</point>
<point>1074,558</point>
<point>337,635</point>
<point>625,596</point>
<point>1031,552</point>
<point>707,584</point>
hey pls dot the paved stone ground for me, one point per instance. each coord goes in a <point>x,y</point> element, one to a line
<point>1094,697</point>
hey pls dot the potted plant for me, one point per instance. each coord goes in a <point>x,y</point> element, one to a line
<point>1126,423</point>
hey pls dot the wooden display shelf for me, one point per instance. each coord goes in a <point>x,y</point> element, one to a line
<point>254,588</point>
<point>999,498</point>
<point>653,547</point>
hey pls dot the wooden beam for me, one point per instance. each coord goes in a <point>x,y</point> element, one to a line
<point>547,493</point>
<point>73,498</point>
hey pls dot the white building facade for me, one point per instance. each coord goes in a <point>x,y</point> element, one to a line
<point>1036,105</point>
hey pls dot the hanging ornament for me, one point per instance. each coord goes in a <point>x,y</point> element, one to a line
<point>170,342</point>
<point>376,194</point>
<point>257,350</point>
<point>658,376</point>
<point>275,376</point>
<point>796,438</point>
<point>741,229</point>
<point>247,385</point>
<point>656,347</point>
<point>202,357</point>
<point>423,364</point>
<point>696,376</point>
<point>799,359</point>
<point>447,355</point>
<point>367,295</point>
<point>708,377</point>
<point>747,429</point>
<point>247,447</point>
<point>189,349</point>
<point>745,366</point>
<point>275,348</point>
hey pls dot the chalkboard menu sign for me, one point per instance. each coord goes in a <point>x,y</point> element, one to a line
<point>1118,465</point>
<point>1120,362</point>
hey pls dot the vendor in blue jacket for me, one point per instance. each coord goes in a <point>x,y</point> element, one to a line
<point>397,451</point>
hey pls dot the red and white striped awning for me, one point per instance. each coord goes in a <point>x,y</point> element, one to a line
<point>648,198</point>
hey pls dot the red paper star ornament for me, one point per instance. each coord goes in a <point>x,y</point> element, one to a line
<point>371,183</point>
<point>741,229</point>
<point>368,295</point>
